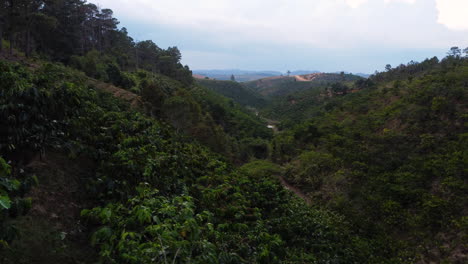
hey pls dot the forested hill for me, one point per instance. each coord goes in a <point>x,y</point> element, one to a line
<point>82,34</point>
<point>284,85</point>
<point>236,91</point>
<point>110,152</point>
<point>87,38</point>
<point>391,156</point>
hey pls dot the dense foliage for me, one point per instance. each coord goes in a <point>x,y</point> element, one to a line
<point>12,201</point>
<point>283,86</point>
<point>219,123</point>
<point>390,157</point>
<point>84,36</point>
<point>187,175</point>
<point>164,197</point>
<point>236,91</point>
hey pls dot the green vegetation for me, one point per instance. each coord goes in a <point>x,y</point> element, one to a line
<point>390,157</point>
<point>86,37</point>
<point>163,196</point>
<point>285,85</point>
<point>236,91</point>
<point>111,153</point>
<point>12,201</point>
<point>212,119</point>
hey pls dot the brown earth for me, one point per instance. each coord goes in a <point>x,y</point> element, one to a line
<point>307,77</point>
<point>52,231</point>
<point>295,190</point>
<point>198,76</point>
<point>133,99</point>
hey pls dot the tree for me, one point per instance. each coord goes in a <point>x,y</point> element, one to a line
<point>339,89</point>
<point>148,54</point>
<point>233,78</point>
<point>454,52</point>
<point>65,30</point>
<point>2,22</point>
<point>466,51</point>
<point>106,24</point>
<point>288,72</point>
<point>11,15</point>
<point>388,67</point>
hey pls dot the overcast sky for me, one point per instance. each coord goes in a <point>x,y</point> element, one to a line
<point>324,35</point>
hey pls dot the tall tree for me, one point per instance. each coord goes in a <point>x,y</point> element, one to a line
<point>67,30</point>
<point>454,52</point>
<point>12,16</point>
<point>3,13</point>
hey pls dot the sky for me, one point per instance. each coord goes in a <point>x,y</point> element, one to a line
<point>359,36</point>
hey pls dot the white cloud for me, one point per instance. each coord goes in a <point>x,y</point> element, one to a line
<point>323,24</point>
<point>355,3</point>
<point>453,14</point>
<point>402,1</point>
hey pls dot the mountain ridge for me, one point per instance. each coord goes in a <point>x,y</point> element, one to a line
<point>243,75</point>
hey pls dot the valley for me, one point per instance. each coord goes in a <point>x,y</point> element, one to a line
<point>113,151</point>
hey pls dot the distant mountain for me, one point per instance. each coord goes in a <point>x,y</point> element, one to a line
<point>302,72</point>
<point>284,85</point>
<point>243,75</point>
<point>239,75</point>
<point>235,72</point>
<point>363,75</point>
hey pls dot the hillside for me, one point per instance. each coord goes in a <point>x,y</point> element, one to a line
<point>110,158</point>
<point>284,85</point>
<point>390,157</point>
<point>301,106</point>
<point>235,91</point>
<point>133,175</point>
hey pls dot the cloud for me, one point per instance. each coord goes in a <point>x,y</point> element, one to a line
<point>453,14</point>
<point>356,35</point>
<point>314,23</point>
<point>355,3</point>
<point>402,1</point>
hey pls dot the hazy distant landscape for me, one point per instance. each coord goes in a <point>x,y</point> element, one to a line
<point>247,76</point>
<point>113,149</point>
<point>243,76</point>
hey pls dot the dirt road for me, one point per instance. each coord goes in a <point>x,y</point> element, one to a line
<point>295,190</point>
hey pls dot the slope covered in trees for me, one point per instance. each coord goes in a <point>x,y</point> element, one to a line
<point>87,38</point>
<point>87,177</point>
<point>236,91</point>
<point>300,106</point>
<point>212,119</point>
<point>83,35</point>
<point>391,157</point>
<point>156,195</point>
<point>284,85</point>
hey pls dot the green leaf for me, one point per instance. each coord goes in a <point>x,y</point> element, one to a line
<point>5,202</point>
